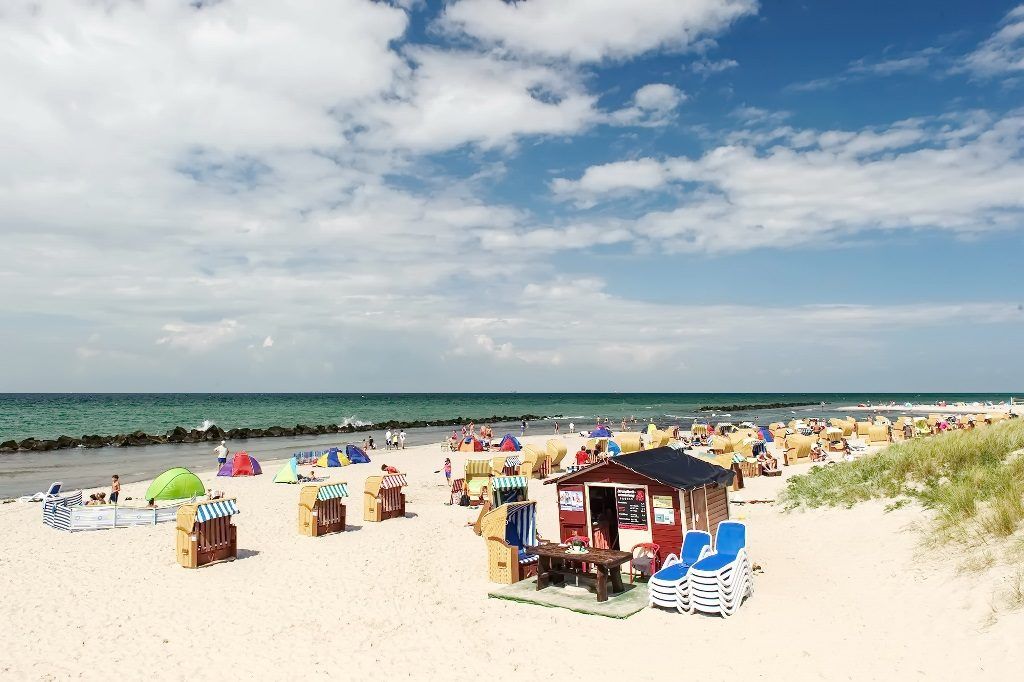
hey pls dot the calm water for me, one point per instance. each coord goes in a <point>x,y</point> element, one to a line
<point>50,415</point>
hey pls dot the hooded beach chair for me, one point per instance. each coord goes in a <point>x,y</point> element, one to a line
<point>478,471</point>
<point>508,530</point>
<point>556,450</point>
<point>458,487</point>
<point>52,491</point>
<point>663,586</point>
<point>720,582</point>
<point>534,462</point>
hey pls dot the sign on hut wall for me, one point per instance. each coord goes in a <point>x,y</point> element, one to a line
<point>663,501</point>
<point>664,516</point>
<point>631,508</point>
<point>570,500</point>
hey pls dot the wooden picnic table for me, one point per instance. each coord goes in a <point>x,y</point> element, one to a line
<point>553,560</point>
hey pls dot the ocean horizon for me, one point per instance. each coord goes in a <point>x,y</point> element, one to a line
<point>49,415</point>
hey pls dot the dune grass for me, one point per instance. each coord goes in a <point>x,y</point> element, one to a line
<point>973,481</point>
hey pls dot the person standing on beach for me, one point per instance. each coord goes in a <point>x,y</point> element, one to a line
<point>572,428</point>
<point>522,430</point>
<point>387,439</point>
<point>115,488</point>
<point>221,453</point>
<point>556,428</point>
<point>448,470</point>
<point>401,439</point>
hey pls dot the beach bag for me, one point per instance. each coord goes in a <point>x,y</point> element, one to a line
<point>464,500</point>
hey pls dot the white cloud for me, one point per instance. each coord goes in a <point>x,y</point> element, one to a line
<point>454,98</point>
<point>1003,52</point>
<point>611,179</point>
<point>653,105</point>
<point>919,61</point>
<point>793,187</point>
<point>268,342</point>
<point>198,337</point>
<point>708,67</point>
<point>593,30</point>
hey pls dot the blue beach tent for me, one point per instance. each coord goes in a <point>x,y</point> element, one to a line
<point>356,454</point>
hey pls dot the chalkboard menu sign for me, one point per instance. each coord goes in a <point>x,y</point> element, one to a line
<point>631,507</point>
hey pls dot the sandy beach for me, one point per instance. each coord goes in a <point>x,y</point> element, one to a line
<point>844,594</point>
<point>1002,408</point>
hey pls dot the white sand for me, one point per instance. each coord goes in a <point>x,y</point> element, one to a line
<point>971,408</point>
<point>843,596</point>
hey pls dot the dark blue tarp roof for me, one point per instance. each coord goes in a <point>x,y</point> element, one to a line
<point>669,466</point>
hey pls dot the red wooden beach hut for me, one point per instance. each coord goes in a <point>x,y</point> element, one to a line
<point>648,496</point>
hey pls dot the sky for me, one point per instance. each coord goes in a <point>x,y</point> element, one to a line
<point>547,195</point>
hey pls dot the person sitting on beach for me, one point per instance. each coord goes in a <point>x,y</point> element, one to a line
<point>97,498</point>
<point>151,503</point>
<point>768,462</point>
<point>817,454</point>
<point>582,456</point>
<point>390,470</point>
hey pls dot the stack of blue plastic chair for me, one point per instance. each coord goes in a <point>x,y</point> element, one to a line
<point>663,586</point>
<point>719,582</point>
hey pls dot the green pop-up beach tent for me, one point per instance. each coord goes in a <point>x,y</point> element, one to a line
<point>175,484</point>
<point>289,473</point>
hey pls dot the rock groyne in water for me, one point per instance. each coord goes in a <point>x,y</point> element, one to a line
<point>215,433</point>
<point>745,408</point>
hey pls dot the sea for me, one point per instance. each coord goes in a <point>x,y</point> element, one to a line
<point>48,415</point>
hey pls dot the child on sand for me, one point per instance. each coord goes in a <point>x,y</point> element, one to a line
<point>115,488</point>
<point>390,470</point>
<point>448,470</point>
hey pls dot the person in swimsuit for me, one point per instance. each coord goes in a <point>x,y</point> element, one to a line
<point>115,488</point>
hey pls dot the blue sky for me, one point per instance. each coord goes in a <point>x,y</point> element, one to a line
<point>572,195</point>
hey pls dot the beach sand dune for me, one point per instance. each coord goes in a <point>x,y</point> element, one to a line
<point>845,594</point>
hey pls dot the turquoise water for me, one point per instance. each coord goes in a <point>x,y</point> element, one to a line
<point>53,414</point>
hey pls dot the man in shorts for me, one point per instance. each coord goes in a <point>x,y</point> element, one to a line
<point>221,453</point>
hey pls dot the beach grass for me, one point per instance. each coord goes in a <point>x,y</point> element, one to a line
<point>973,481</point>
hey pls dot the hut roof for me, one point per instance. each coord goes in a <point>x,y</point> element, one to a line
<point>667,465</point>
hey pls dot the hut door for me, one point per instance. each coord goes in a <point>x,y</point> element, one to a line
<point>572,512</point>
<point>697,510</point>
